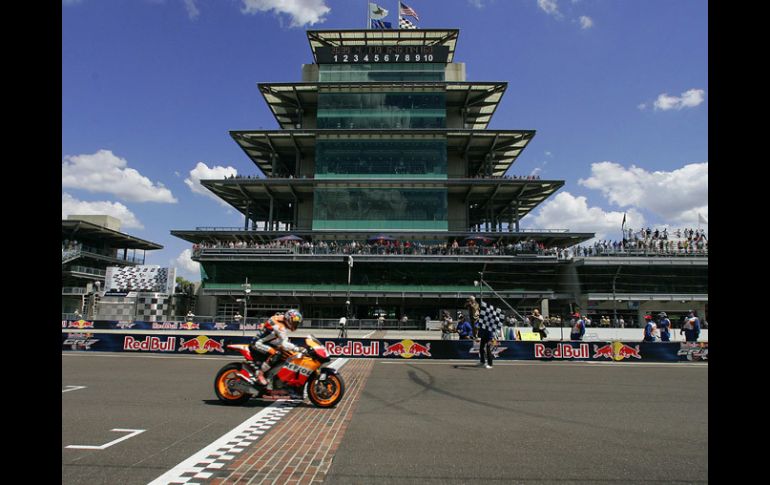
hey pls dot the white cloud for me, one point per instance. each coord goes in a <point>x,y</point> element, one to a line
<point>185,262</point>
<point>73,206</point>
<point>302,12</point>
<point>676,196</point>
<point>192,9</point>
<point>688,99</point>
<point>586,22</point>
<point>566,211</point>
<point>550,7</point>
<point>203,172</point>
<point>642,106</point>
<point>105,172</point>
<point>477,3</point>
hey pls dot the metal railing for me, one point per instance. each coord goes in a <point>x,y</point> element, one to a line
<point>374,250</point>
<point>84,269</point>
<point>643,253</point>
<point>308,323</point>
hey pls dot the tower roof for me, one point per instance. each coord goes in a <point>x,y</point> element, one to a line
<point>365,37</point>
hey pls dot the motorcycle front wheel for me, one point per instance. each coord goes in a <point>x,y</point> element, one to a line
<point>327,393</point>
<point>221,388</point>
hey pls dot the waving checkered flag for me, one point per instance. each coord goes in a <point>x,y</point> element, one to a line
<point>491,318</point>
<point>405,24</point>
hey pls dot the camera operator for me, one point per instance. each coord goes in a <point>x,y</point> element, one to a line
<point>538,323</point>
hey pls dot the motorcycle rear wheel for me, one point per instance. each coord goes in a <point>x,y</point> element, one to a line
<point>222,390</point>
<point>326,394</point>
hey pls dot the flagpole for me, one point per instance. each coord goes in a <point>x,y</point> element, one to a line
<point>398,11</point>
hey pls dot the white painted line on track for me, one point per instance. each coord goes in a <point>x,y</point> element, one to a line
<point>131,434</point>
<point>72,388</point>
<point>200,461</point>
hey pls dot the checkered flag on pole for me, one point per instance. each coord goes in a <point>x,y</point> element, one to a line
<point>405,24</point>
<point>491,318</point>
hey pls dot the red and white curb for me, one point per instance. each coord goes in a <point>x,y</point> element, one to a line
<point>205,464</point>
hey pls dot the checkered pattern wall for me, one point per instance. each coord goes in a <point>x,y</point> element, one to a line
<point>140,278</point>
<point>145,307</point>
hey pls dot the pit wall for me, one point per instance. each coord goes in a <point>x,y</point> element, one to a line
<point>87,339</point>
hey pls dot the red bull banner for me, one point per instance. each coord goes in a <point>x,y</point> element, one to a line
<point>210,344</point>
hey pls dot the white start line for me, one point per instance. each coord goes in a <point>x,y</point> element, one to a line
<point>72,388</point>
<point>213,457</point>
<point>131,434</point>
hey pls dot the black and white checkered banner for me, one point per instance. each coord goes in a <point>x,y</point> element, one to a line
<point>491,318</point>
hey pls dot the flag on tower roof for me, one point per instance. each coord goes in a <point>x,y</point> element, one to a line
<point>407,10</point>
<point>405,24</point>
<point>376,12</point>
<point>381,24</point>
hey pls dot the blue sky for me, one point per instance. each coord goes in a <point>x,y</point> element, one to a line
<point>617,91</point>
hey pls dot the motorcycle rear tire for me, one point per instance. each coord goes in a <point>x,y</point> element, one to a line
<point>224,394</point>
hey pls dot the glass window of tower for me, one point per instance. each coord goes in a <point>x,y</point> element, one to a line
<point>382,110</point>
<point>380,72</point>
<point>380,208</point>
<point>366,158</point>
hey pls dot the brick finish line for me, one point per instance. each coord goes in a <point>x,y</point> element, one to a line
<point>299,449</point>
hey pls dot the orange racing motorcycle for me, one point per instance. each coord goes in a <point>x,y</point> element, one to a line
<point>235,383</point>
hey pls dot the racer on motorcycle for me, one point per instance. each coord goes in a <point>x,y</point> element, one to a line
<point>272,344</point>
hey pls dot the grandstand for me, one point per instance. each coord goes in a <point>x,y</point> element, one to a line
<point>384,150</point>
<point>90,245</point>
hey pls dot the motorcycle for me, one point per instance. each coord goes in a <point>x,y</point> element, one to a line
<point>302,371</point>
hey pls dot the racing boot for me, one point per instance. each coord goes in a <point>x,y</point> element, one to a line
<point>261,378</point>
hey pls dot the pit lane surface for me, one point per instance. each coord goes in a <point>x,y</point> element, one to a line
<point>416,422</point>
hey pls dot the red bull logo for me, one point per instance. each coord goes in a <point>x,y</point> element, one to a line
<point>150,344</point>
<point>562,351</point>
<point>165,326</point>
<point>81,324</point>
<point>407,349</point>
<point>189,326</point>
<point>201,345</point>
<point>353,349</point>
<point>616,351</point>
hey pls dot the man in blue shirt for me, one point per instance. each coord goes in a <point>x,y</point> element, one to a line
<point>664,324</point>
<point>649,329</point>
<point>464,329</point>
<point>578,327</point>
<point>691,328</point>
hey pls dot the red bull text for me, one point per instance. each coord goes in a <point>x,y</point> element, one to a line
<point>562,351</point>
<point>353,349</point>
<point>150,344</point>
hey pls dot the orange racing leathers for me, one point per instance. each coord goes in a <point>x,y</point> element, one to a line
<point>271,345</point>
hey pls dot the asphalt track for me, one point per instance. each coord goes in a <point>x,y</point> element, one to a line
<point>416,422</point>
